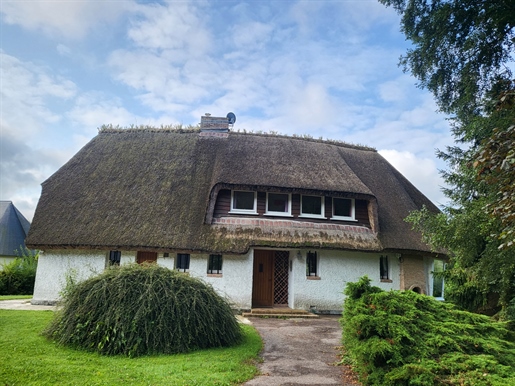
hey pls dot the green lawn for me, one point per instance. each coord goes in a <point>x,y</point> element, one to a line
<point>27,358</point>
<point>12,297</point>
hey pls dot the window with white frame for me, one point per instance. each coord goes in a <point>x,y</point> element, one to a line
<point>214,265</point>
<point>278,204</point>
<point>311,264</point>
<point>384,270</point>
<point>243,202</point>
<point>312,206</point>
<point>344,209</point>
<point>438,281</point>
<point>182,262</point>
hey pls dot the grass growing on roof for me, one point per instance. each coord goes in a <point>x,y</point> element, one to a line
<point>403,338</point>
<point>146,309</point>
<point>28,358</point>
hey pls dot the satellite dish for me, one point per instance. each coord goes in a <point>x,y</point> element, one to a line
<point>231,118</point>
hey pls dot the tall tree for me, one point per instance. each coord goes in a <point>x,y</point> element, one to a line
<point>463,52</point>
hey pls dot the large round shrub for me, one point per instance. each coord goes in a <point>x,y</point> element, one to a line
<point>144,309</point>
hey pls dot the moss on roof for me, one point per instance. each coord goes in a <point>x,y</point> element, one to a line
<point>149,189</point>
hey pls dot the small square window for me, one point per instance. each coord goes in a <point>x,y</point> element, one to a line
<point>311,264</point>
<point>114,257</point>
<point>343,209</point>
<point>383,268</point>
<point>182,262</point>
<point>278,204</point>
<point>243,202</point>
<point>214,264</point>
<point>312,206</point>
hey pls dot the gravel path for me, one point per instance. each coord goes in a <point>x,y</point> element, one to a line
<point>301,352</point>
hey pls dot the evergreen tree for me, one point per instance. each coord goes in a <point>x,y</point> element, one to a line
<point>463,52</point>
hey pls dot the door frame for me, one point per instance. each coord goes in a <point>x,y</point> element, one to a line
<point>263,278</point>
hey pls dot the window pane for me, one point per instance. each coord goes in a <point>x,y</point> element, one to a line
<point>243,200</point>
<point>383,267</point>
<point>438,267</point>
<point>183,261</point>
<point>277,202</point>
<point>114,257</point>
<point>342,207</point>
<point>311,205</point>
<point>215,264</point>
<point>311,264</point>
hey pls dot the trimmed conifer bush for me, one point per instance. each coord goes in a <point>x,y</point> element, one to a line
<point>144,309</point>
<point>403,338</point>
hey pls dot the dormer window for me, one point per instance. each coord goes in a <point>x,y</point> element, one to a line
<point>312,206</point>
<point>344,209</point>
<point>243,202</point>
<point>278,204</point>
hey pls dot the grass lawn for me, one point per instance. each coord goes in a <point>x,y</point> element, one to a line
<point>12,297</point>
<point>30,359</point>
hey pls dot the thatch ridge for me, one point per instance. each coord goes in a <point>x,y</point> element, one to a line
<point>110,129</point>
<point>153,189</point>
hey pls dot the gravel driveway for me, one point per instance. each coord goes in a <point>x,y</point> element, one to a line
<point>301,352</point>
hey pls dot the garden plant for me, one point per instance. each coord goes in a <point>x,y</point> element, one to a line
<point>404,338</point>
<point>145,309</point>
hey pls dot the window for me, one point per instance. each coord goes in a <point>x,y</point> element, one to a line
<point>383,268</point>
<point>343,209</point>
<point>182,262</point>
<point>278,204</point>
<point>311,264</point>
<point>114,257</point>
<point>243,202</point>
<point>438,281</point>
<point>312,206</point>
<point>214,264</point>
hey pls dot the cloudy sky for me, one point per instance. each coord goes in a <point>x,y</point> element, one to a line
<point>322,68</point>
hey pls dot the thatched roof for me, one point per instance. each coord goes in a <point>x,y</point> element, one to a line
<point>154,190</point>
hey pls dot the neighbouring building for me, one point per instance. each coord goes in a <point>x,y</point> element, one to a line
<point>13,230</point>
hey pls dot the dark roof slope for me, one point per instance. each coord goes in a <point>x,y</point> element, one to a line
<point>13,229</point>
<point>151,189</point>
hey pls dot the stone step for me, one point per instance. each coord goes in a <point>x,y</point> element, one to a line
<point>278,313</point>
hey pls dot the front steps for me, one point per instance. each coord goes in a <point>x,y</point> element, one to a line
<point>280,312</point>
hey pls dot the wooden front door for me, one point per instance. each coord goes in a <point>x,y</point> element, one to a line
<point>148,257</point>
<point>263,279</point>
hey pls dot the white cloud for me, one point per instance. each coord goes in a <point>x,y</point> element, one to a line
<point>71,19</point>
<point>251,36</point>
<point>421,172</point>
<point>25,92</point>
<point>176,27</point>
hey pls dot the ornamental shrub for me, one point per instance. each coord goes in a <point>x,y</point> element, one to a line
<point>403,338</point>
<point>144,309</point>
<point>18,276</point>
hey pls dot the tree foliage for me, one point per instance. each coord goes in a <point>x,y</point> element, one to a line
<point>144,309</point>
<point>461,47</point>
<point>403,338</point>
<point>495,167</point>
<point>18,276</point>
<point>463,52</point>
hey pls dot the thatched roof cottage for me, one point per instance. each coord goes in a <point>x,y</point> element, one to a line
<point>268,220</point>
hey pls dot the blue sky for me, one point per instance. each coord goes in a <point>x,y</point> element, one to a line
<point>321,68</point>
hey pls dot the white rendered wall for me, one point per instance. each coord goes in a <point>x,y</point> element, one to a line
<point>53,268</point>
<point>235,282</point>
<point>335,270</point>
